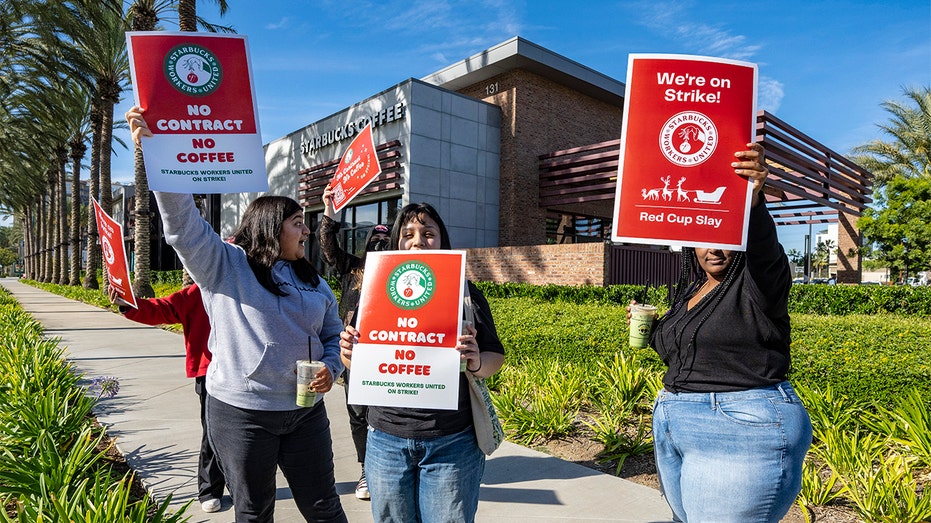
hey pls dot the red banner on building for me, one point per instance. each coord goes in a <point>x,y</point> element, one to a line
<point>684,118</point>
<point>357,169</point>
<point>410,317</point>
<point>114,254</point>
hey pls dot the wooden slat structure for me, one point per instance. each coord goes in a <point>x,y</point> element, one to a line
<point>314,179</point>
<point>808,184</point>
<point>804,175</point>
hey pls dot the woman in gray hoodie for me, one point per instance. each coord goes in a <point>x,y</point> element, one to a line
<point>268,308</point>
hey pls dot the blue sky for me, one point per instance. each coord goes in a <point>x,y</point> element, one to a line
<point>825,67</point>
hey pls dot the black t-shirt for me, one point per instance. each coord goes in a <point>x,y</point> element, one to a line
<point>742,341</point>
<point>432,423</point>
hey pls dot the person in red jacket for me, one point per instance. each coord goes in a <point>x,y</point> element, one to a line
<point>185,307</point>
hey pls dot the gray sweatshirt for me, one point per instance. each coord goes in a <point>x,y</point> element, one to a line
<point>256,337</point>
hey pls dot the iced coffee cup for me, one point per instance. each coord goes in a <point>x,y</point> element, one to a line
<point>641,323</point>
<point>306,372</point>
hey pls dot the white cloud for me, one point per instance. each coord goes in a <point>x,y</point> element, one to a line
<point>769,94</point>
<point>281,24</point>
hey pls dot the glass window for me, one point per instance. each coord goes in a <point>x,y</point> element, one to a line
<point>568,228</point>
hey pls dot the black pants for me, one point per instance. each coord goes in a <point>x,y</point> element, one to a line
<point>210,481</point>
<point>358,425</point>
<point>253,444</point>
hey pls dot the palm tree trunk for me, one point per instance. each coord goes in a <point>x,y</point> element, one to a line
<point>29,244</point>
<point>93,248</point>
<point>77,153</point>
<point>142,285</point>
<point>43,240</point>
<point>63,241</point>
<point>187,15</point>
<point>54,238</point>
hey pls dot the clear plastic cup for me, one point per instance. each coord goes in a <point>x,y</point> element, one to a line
<point>306,372</point>
<point>642,317</point>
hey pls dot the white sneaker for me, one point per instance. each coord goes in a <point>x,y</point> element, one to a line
<point>211,505</point>
<point>362,487</point>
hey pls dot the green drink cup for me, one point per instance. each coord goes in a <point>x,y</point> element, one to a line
<point>641,323</point>
<point>306,372</point>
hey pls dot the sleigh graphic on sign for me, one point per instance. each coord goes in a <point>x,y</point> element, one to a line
<point>710,197</point>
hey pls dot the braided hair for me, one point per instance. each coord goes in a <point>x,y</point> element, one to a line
<point>691,278</point>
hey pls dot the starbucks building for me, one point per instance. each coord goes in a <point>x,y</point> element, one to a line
<point>517,148</point>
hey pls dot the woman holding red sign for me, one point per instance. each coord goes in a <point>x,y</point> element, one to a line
<point>268,308</point>
<point>730,432</point>
<point>425,464</point>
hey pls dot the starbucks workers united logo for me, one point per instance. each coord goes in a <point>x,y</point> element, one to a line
<point>193,70</point>
<point>411,285</point>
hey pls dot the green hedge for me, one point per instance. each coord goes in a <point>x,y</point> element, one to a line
<point>835,300</point>
<point>581,294</point>
<point>864,357</point>
<point>839,300</point>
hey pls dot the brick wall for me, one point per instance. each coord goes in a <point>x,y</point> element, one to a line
<point>538,116</point>
<point>849,268</point>
<point>567,264</point>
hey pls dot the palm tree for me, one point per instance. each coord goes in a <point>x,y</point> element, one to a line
<point>144,15</point>
<point>909,153</point>
<point>77,149</point>
<point>104,47</point>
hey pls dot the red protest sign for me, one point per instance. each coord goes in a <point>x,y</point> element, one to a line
<point>357,169</point>
<point>410,317</point>
<point>114,255</point>
<point>685,117</point>
<point>199,102</point>
<point>412,298</point>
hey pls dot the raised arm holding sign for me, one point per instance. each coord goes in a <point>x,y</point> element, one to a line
<point>685,116</point>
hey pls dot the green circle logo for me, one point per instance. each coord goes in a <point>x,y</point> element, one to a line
<point>411,285</point>
<point>193,70</point>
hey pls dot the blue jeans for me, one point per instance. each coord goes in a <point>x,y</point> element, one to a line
<point>252,444</point>
<point>424,480</point>
<point>731,456</point>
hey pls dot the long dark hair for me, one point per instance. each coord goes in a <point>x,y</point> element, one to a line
<point>416,212</point>
<point>258,234</point>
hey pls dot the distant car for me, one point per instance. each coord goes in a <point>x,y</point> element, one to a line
<point>870,283</point>
<point>798,280</point>
<point>819,280</point>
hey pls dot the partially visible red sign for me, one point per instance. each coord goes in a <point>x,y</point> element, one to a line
<point>114,255</point>
<point>357,169</point>
<point>684,118</point>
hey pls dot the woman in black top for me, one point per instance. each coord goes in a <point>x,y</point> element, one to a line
<point>730,433</point>
<point>425,464</point>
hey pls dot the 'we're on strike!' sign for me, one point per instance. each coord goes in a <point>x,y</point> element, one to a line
<point>684,118</point>
<point>410,317</point>
<point>199,102</point>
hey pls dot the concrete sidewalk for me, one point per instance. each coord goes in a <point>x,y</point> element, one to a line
<point>156,424</point>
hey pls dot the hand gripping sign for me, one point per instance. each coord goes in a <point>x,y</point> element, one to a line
<point>410,316</point>
<point>357,169</point>
<point>685,117</point>
<point>199,101</point>
<point>114,255</point>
